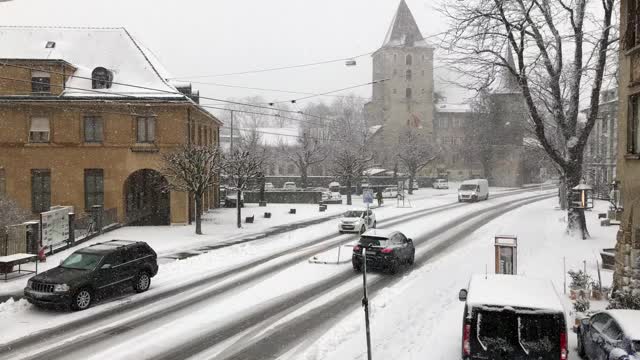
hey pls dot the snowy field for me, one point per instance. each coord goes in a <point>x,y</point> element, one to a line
<point>421,317</point>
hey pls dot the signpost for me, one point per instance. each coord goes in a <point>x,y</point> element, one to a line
<point>367,198</point>
<point>365,301</point>
<point>55,226</point>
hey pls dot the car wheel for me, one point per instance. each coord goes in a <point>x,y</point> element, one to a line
<point>393,267</point>
<point>375,224</point>
<point>411,259</point>
<point>341,232</point>
<point>81,300</point>
<point>362,229</point>
<point>356,267</point>
<point>142,282</point>
<point>581,352</point>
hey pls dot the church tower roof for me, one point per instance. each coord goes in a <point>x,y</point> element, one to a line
<point>507,82</point>
<point>403,30</point>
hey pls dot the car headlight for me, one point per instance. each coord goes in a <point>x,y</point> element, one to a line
<point>60,288</point>
<point>29,284</point>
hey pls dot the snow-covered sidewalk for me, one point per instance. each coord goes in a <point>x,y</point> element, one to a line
<point>420,317</point>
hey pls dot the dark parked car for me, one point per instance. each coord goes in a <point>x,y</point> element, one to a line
<point>511,317</point>
<point>611,334</point>
<point>386,250</point>
<point>92,271</point>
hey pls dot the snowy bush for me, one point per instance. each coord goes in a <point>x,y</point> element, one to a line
<point>579,279</point>
<point>624,300</point>
<point>582,304</point>
<point>11,213</point>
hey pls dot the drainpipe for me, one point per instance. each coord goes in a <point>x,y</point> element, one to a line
<point>189,202</point>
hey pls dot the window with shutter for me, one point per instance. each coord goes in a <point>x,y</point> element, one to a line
<point>39,130</point>
<point>40,190</point>
<point>146,129</point>
<point>40,82</point>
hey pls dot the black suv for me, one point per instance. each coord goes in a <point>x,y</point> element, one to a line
<point>93,270</point>
<point>386,250</point>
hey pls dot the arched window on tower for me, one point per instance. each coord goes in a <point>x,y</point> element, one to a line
<point>409,59</point>
<point>408,93</point>
<point>101,78</point>
<point>408,76</point>
<point>395,58</point>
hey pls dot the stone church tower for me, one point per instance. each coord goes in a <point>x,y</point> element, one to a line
<point>508,116</point>
<point>405,98</point>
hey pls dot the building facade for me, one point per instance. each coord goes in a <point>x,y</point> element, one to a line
<point>86,116</point>
<point>601,152</point>
<point>627,273</point>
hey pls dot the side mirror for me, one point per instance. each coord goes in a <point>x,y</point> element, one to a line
<point>410,241</point>
<point>462,295</point>
<point>105,266</point>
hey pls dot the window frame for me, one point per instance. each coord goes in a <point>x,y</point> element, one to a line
<point>39,139</point>
<point>149,137</point>
<point>95,138</point>
<point>408,93</point>
<point>41,175</point>
<point>409,60</point>
<point>40,83</point>
<point>94,194</point>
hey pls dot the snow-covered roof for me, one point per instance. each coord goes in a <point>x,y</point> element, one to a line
<point>403,30</point>
<point>507,83</point>
<point>87,49</point>
<point>513,291</point>
<point>274,137</point>
<point>374,129</point>
<point>453,108</point>
<point>629,321</point>
<point>373,171</point>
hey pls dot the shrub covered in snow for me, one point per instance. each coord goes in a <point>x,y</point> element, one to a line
<point>624,300</point>
<point>582,304</point>
<point>579,279</point>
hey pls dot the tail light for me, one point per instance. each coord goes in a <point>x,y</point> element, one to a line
<point>386,251</point>
<point>356,248</point>
<point>563,346</point>
<point>466,340</point>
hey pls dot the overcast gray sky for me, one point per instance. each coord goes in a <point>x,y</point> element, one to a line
<point>207,37</point>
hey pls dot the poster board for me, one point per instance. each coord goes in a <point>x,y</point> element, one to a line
<point>54,225</point>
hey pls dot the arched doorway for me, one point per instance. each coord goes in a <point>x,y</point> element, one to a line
<point>146,199</point>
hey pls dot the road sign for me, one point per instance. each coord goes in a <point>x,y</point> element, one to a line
<point>367,196</point>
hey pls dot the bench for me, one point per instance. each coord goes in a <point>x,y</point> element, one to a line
<point>323,208</point>
<point>267,215</point>
<point>7,263</point>
<point>249,219</point>
<point>292,211</point>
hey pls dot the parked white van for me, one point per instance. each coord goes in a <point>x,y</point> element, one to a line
<point>289,186</point>
<point>473,190</point>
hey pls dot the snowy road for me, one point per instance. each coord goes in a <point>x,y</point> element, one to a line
<point>181,317</point>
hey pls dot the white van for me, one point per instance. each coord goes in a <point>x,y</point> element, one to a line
<point>289,186</point>
<point>473,190</point>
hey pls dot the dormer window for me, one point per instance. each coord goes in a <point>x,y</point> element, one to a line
<point>40,82</point>
<point>101,78</point>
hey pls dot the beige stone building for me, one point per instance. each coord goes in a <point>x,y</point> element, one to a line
<point>86,115</point>
<point>628,168</point>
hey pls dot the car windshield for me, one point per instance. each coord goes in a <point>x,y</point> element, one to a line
<point>353,213</point>
<point>468,187</point>
<point>81,261</point>
<point>366,241</point>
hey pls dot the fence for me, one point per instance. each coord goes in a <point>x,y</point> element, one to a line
<point>13,240</point>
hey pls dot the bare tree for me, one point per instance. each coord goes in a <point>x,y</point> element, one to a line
<point>308,151</point>
<point>195,170</point>
<point>414,153</point>
<point>243,165</point>
<point>349,154</point>
<point>555,61</point>
<point>11,213</point>
<point>477,144</point>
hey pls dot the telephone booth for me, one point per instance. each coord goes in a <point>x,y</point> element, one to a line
<point>506,249</point>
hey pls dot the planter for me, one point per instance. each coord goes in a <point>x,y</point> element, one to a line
<point>578,293</point>
<point>596,295</point>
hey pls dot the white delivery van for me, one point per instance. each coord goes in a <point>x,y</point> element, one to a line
<point>289,186</point>
<point>473,190</point>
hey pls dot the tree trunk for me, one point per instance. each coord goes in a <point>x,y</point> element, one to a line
<point>411,184</point>
<point>348,184</point>
<point>262,185</point>
<point>198,216</point>
<point>238,207</point>
<point>303,176</point>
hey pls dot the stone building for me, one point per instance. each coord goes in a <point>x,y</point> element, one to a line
<point>405,97</point>
<point>627,275</point>
<point>600,154</point>
<point>75,132</point>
